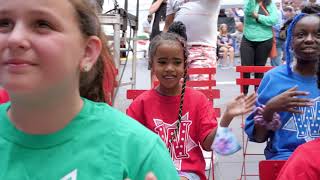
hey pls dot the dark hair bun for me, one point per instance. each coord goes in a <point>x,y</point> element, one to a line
<point>311,9</point>
<point>179,28</point>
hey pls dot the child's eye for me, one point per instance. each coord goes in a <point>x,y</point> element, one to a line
<point>43,24</point>
<point>178,62</point>
<point>5,24</point>
<point>300,35</point>
<point>161,62</point>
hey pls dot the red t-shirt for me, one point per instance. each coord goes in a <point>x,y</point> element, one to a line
<point>303,164</point>
<point>4,97</point>
<point>160,114</point>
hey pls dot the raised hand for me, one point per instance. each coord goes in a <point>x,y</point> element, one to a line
<point>288,101</point>
<point>241,105</point>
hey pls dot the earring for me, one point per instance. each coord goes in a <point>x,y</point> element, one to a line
<point>86,68</point>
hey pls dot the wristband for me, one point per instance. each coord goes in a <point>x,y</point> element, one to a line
<point>258,119</point>
<point>225,142</point>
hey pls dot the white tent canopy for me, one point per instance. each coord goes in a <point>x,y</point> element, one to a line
<point>145,4</point>
<point>231,3</point>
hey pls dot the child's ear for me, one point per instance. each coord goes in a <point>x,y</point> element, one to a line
<point>91,53</point>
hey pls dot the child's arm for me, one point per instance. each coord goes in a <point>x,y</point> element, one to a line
<point>239,106</point>
<point>286,101</point>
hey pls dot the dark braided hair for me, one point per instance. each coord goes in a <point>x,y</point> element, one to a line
<point>176,33</point>
<point>180,29</point>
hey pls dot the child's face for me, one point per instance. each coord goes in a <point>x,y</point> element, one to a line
<point>168,66</point>
<point>306,39</point>
<point>40,46</point>
<point>224,28</point>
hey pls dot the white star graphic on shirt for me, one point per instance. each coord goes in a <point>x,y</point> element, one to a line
<point>189,142</point>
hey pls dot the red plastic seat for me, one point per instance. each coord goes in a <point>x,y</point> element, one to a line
<point>270,169</point>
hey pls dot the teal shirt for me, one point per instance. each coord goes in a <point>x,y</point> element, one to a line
<point>262,31</point>
<point>100,143</point>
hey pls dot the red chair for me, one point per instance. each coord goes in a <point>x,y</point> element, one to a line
<point>4,96</point>
<point>270,169</point>
<point>241,82</point>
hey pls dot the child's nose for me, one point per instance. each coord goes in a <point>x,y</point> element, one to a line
<point>310,38</point>
<point>18,37</point>
<point>169,67</point>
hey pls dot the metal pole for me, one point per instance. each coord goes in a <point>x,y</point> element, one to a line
<point>134,60</point>
<point>116,47</point>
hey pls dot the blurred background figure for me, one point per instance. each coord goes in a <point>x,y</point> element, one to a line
<point>158,8</point>
<point>276,61</point>
<point>288,13</point>
<point>147,25</point>
<point>225,46</point>
<point>237,37</point>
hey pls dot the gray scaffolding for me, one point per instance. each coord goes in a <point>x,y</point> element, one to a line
<point>117,21</point>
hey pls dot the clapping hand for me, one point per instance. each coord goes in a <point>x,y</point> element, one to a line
<point>288,101</point>
<point>241,105</point>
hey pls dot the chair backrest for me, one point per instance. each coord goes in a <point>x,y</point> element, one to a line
<point>209,83</point>
<point>270,169</point>
<point>250,69</point>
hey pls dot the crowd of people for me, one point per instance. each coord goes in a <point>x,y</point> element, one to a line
<point>57,78</point>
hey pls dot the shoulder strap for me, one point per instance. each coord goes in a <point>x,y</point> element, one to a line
<point>263,8</point>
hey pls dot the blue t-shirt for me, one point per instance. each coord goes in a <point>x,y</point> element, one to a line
<point>296,129</point>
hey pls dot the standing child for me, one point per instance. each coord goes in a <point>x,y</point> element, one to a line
<point>183,117</point>
<point>48,131</point>
<point>289,113</point>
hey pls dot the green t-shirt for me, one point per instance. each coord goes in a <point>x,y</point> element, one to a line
<point>99,143</point>
<point>261,30</point>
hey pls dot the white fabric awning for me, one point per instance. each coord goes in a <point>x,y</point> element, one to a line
<point>231,3</point>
